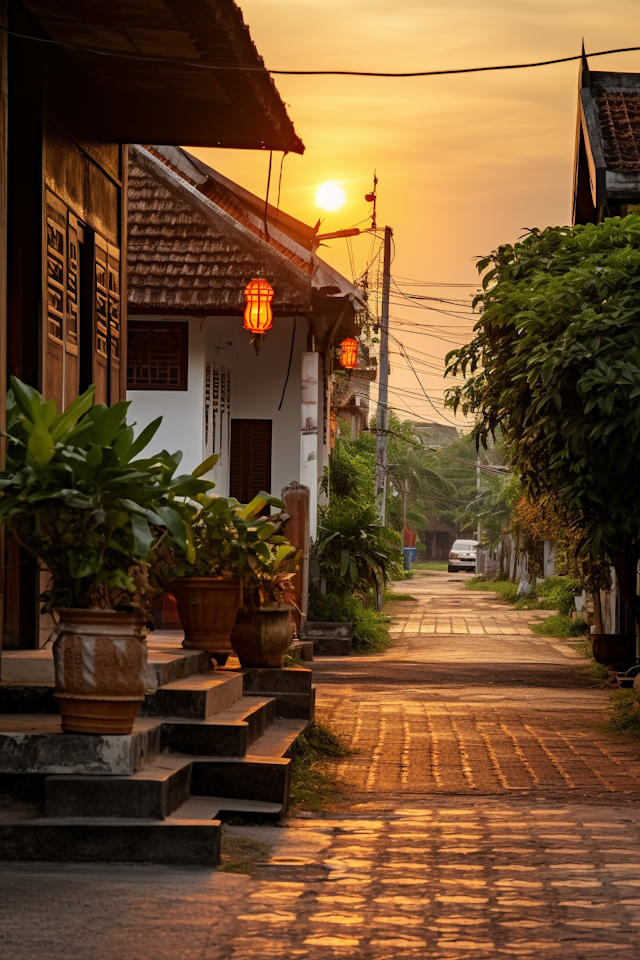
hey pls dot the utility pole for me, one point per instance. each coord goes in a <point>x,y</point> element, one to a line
<point>478,490</point>
<point>382,416</point>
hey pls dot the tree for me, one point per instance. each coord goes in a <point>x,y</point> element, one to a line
<point>555,366</point>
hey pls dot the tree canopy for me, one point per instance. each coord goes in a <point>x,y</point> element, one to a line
<point>555,365</point>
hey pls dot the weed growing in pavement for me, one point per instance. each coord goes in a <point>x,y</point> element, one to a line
<point>506,590</point>
<point>312,783</point>
<point>391,597</point>
<point>292,659</point>
<point>238,854</point>
<point>624,710</point>
<point>560,625</point>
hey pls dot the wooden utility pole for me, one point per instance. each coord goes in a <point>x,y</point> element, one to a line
<point>382,416</point>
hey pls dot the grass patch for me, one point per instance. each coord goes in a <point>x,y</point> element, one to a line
<point>312,782</point>
<point>391,597</point>
<point>624,713</point>
<point>505,590</point>
<point>430,565</point>
<point>560,625</point>
<point>238,854</point>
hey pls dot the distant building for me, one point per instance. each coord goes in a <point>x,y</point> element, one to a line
<point>435,434</point>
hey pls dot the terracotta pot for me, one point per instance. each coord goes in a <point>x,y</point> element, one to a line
<point>207,607</point>
<point>614,647</point>
<point>100,660</point>
<point>260,637</point>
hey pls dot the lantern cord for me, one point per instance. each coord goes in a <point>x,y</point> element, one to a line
<point>293,340</point>
<point>279,189</point>
<point>266,199</point>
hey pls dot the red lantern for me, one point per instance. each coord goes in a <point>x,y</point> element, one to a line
<point>349,353</point>
<point>258,315</point>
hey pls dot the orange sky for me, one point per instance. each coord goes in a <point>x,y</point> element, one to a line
<point>464,162</point>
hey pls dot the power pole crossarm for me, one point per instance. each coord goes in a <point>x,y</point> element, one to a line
<point>382,416</point>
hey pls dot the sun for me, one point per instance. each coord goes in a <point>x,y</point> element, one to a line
<point>330,196</point>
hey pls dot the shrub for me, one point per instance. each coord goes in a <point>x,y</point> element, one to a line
<point>370,629</point>
<point>624,709</point>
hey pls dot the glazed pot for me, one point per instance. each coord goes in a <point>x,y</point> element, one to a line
<point>260,637</point>
<point>614,647</point>
<point>100,661</point>
<point>207,607</point>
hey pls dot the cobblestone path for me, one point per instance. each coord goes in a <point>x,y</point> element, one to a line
<point>485,815</point>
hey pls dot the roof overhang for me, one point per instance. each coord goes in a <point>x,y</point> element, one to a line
<point>153,71</point>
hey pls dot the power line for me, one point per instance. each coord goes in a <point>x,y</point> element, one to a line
<point>261,68</point>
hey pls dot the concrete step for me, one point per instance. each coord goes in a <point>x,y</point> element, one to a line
<point>152,793</point>
<point>277,739</point>
<point>228,733</point>
<point>291,686</point>
<point>197,697</point>
<point>267,779</point>
<point>230,807</point>
<point>174,841</point>
<point>167,662</point>
<point>332,646</point>
<point>35,744</point>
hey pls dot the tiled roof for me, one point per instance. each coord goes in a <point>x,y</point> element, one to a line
<point>619,115</point>
<point>186,253</point>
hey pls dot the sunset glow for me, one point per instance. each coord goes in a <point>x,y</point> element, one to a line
<point>330,196</point>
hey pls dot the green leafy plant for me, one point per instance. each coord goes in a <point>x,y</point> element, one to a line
<point>233,539</point>
<point>555,367</point>
<point>77,496</point>
<point>312,780</point>
<point>370,629</point>
<point>353,548</point>
<point>560,625</point>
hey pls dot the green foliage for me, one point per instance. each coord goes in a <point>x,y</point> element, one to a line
<point>429,565</point>
<point>312,784</point>
<point>390,596</point>
<point>503,588</point>
<point>78,498</point>
<point>624,710</point>
<point>353,549</point>
<point>370,628</point>
<point>560,625</point>
<point>559,592</point>
<point>231,539</point>
<point>555,366</point>
<point>240,854</point>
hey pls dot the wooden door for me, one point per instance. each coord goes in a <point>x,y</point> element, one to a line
<point>250,458</point>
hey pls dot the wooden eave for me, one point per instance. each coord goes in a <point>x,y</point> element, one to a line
<point>131,72</point>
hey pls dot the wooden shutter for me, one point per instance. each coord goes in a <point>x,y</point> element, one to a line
<point>53,365</point>
<point>101,329</point>
<point>250,458</point>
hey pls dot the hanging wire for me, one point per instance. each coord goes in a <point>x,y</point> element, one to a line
<point>266,199</point>
<point>279,189</point>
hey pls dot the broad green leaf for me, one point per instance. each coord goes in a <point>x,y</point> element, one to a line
<point>40,448</point>
<point>206,465</point>
<point>142,535</point>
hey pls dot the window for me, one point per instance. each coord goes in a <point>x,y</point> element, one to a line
<point>157,355</point>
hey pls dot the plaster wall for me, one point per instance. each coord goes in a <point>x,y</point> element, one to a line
<point>257,384</point>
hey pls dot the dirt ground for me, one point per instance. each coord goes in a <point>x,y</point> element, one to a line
<point>484,813</point>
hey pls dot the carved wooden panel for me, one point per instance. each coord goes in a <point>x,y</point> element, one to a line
<point>157,355</point>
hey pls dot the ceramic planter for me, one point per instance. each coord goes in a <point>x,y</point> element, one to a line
<point>100,659</point>
<point>614,647</point>
<point>207,607</point>
<point>260,637</point>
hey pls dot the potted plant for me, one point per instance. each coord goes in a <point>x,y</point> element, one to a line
<point>208,588</point>
<point>75,494</point>
<point>264,626</point>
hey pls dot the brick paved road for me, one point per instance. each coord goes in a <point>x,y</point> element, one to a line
<point>485,815</point>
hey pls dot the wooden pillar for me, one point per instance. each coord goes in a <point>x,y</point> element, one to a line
<point>296,529</point>
<point>4,88</point>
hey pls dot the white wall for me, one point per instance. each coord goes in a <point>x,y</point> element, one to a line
<point>256,388</point>
<point>181,410</point>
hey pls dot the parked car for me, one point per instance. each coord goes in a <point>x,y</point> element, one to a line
<point>463,555</point>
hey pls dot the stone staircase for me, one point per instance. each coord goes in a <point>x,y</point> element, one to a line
<point>208,744</point>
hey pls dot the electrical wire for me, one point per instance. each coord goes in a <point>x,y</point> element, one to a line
<point>286,380</point>
<point>261,68</point>
<point>275,224</point>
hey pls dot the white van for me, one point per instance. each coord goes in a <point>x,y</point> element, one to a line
<point>463,556</point>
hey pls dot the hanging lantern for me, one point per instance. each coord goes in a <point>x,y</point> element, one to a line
<point>349,353</point>
<point>258,315</point>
